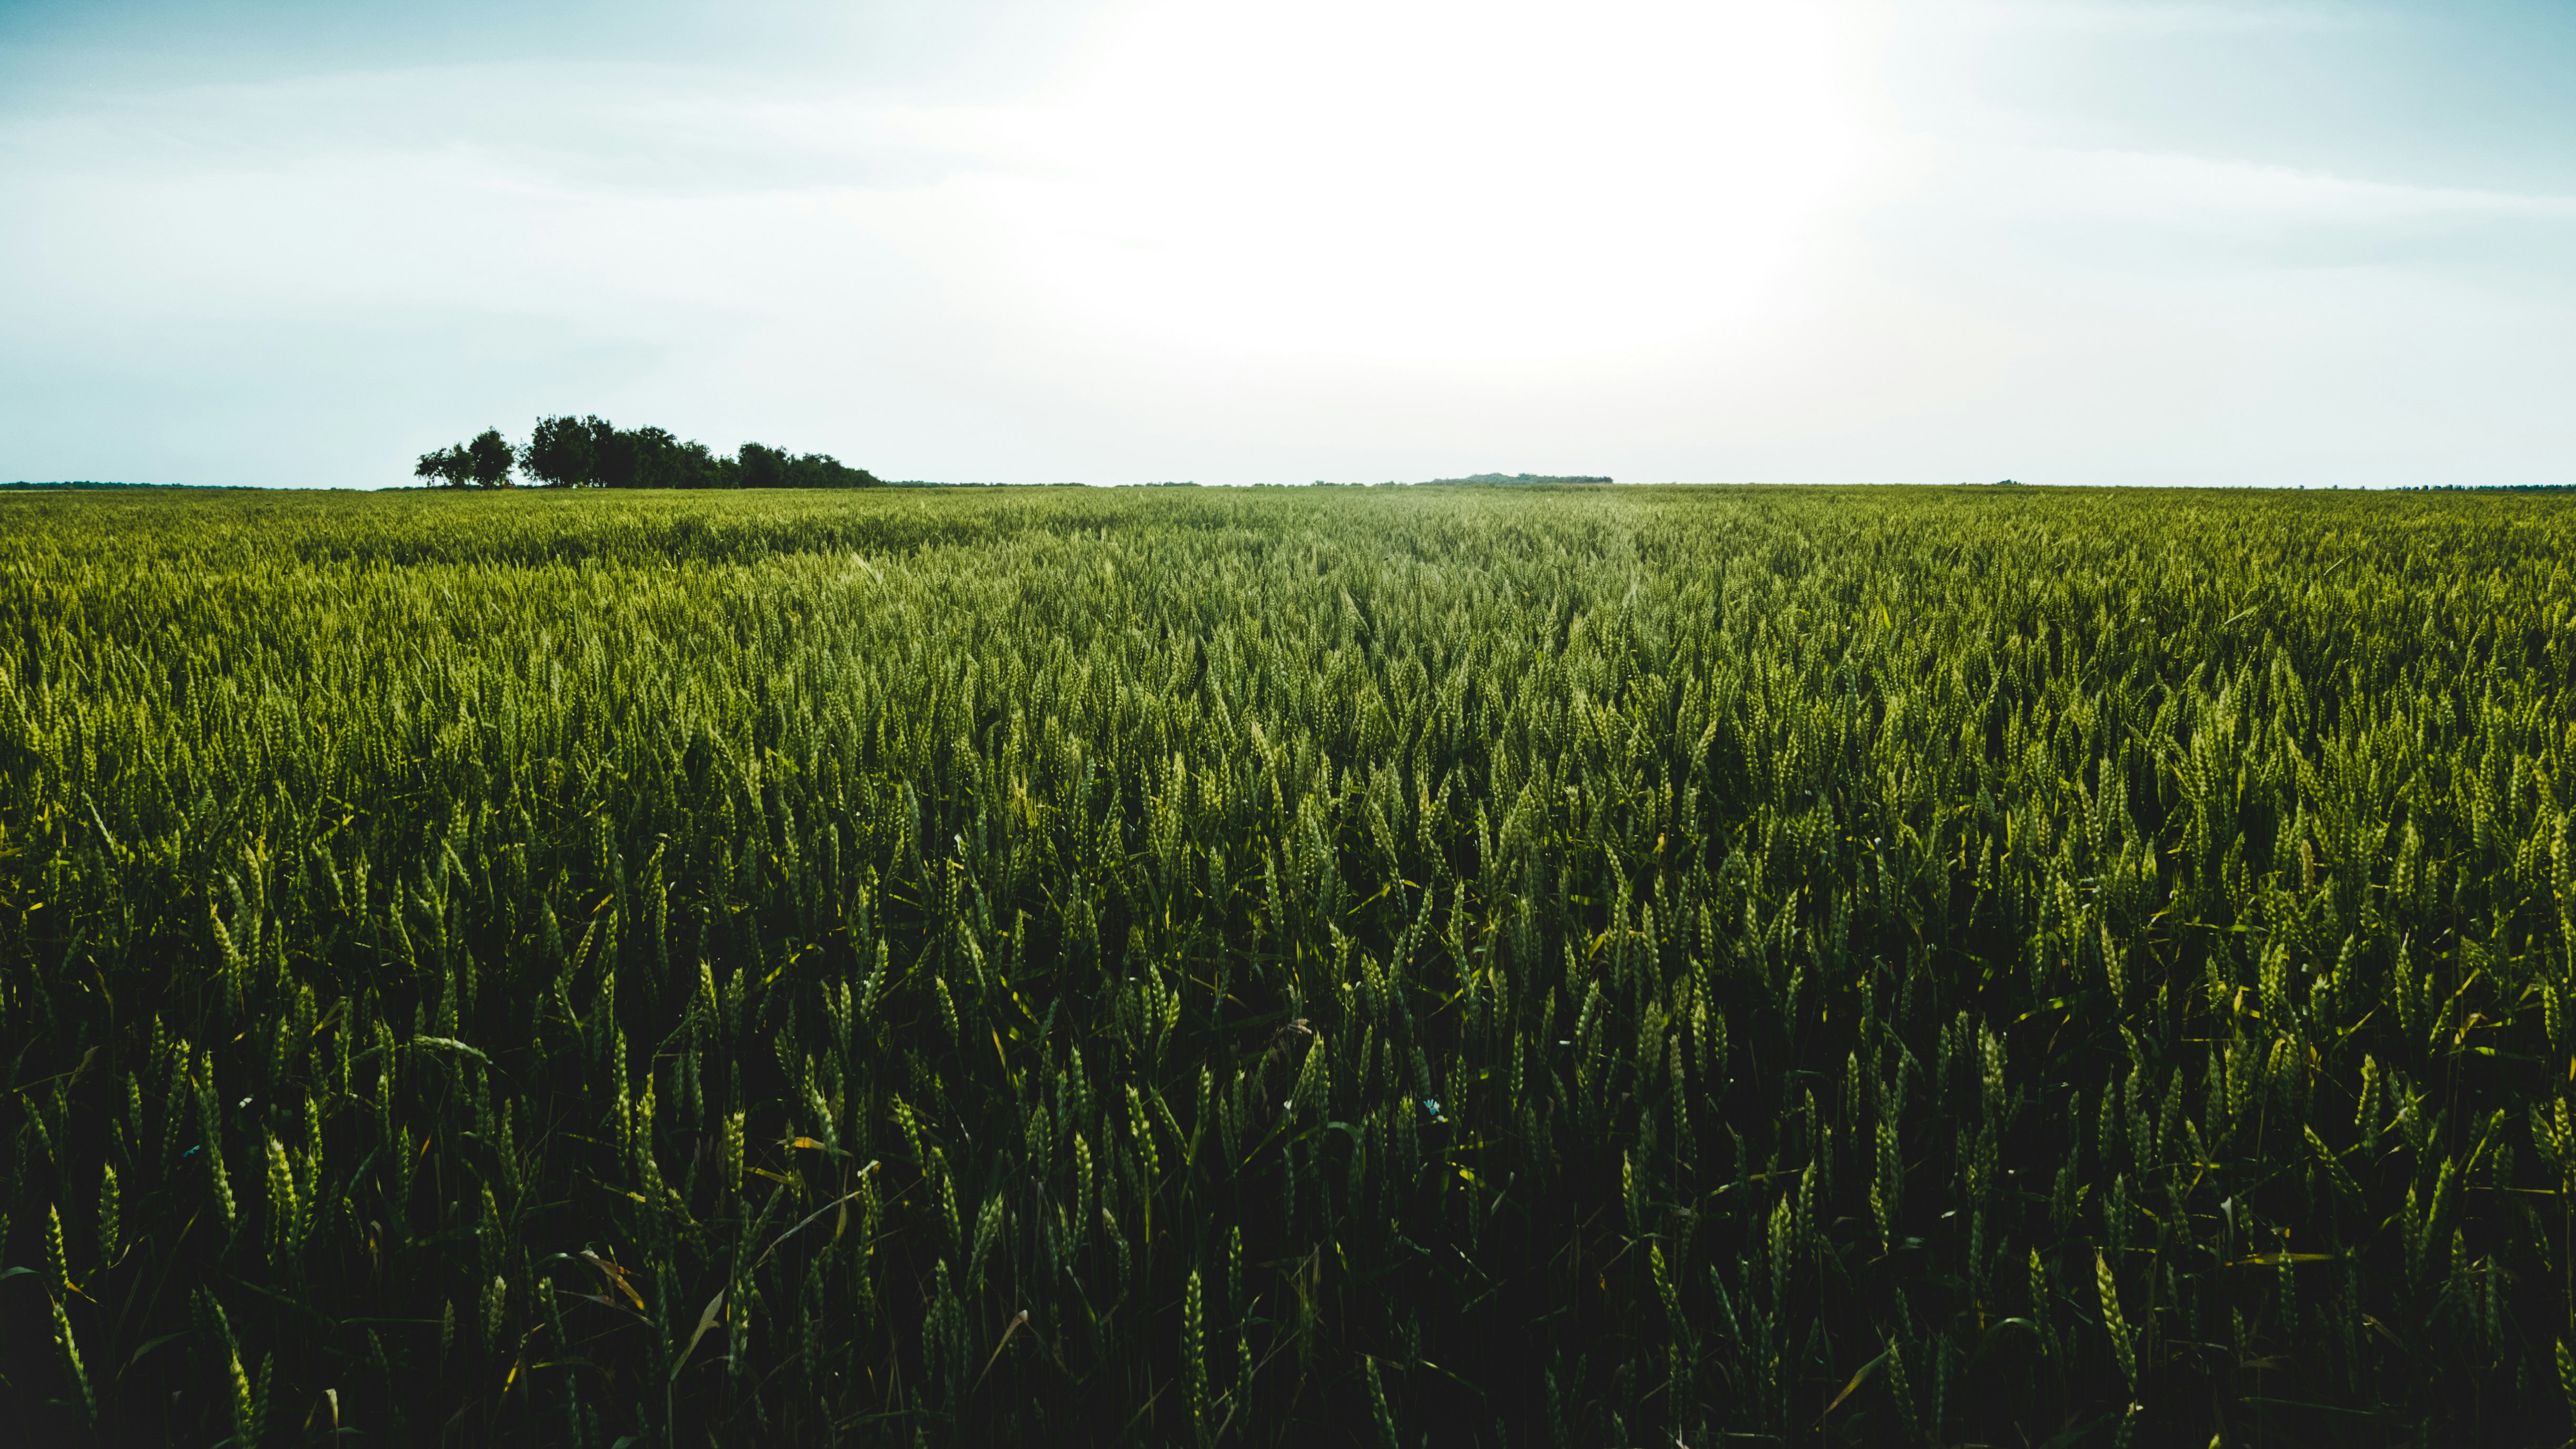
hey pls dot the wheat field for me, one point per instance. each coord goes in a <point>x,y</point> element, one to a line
<point>1546,967</point>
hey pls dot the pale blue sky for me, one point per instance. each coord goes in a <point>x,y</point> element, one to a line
<point>2291,244</point>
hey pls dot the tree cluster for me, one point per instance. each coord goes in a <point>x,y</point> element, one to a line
<point>591,452</point>
<point>1524,478</point>
<point>481,462</point>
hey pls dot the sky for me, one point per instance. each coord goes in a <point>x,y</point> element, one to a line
<point>298,243</point>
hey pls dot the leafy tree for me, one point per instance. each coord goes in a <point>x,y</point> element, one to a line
<point>653,449</point>
<point>694,465</point>
<point>591,452</point>
<point>444,467</point>
<point>763,466</point>
<point>655,463</point>
<point>616,461</point>
<point>561,453</point>
<point>663,461</point>
<point>766,467</point>
<point>822,470</point>
<point>489,459</point>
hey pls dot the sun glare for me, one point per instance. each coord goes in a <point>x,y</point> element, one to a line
<point>1429,180</point>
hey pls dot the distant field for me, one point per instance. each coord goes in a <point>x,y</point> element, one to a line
<point>1470,966</point>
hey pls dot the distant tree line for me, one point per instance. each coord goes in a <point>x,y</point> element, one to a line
<point>590,452</point>
<point>88,483</point>
<point>1521,478</point>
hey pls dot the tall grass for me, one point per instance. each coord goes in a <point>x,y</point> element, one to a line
<point>1589,967</point>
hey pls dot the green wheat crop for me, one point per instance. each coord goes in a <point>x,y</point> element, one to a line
<point>1583,967</point>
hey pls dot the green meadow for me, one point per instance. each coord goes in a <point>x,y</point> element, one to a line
<point>1506,967</point>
